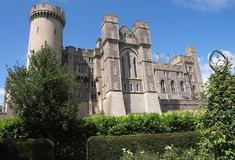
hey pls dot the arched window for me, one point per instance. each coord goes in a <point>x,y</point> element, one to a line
<point>123,66</point>
<point>173,88</point>
<point>134,64</point>
<point>193,89</point>
<point>163,86</point>
<point>182,86</point>
<point>137,87</point>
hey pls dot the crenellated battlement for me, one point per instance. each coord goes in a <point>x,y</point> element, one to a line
<point>140,24</point>
<point>47,10</point>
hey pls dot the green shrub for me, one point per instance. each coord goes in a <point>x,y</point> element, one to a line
<point>100,147</point>
<point>22,149</point>
<point>13,128</point>
<point>146,123</point>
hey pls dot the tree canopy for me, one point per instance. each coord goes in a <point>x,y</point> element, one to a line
<point>43,94</point>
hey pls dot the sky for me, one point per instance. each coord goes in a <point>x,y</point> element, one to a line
<point>174,25</point>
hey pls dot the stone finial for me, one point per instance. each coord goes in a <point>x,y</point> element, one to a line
<point>168,58</point>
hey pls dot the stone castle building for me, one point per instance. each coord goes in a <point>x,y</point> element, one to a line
<point>118,76</point>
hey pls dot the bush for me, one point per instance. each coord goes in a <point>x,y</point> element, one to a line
<point>146,123</point>
<point>22,149</point>
<point>13,128</point>
<point>101,147</point>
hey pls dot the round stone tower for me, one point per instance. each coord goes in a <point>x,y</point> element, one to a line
<point>46,27</point>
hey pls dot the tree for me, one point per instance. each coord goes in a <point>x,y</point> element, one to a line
<point>218,136</point>
<point>43,94</point>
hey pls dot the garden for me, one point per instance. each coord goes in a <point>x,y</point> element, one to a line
<point>46,126</point>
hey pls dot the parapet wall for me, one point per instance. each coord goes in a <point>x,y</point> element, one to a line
<point>47,10</point>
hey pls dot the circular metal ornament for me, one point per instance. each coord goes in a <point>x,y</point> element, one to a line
<point>225,57</point>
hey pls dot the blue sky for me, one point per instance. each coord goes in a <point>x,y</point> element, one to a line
<point>174,25</point>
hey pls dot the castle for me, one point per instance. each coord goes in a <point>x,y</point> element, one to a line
<point>119,76</point>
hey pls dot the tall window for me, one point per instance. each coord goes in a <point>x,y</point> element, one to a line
<point>134,64</point>
<point>129,64</point>
<point>163,86</point>
<point>123,66</point>
<point>182,86</point>
<point>173,89</point>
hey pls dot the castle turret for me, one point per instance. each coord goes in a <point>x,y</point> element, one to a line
<point>46,27</point>
<point>191,51</point>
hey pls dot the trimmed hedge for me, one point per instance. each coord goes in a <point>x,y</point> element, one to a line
<point>106,148</point>
<point>25,149</point>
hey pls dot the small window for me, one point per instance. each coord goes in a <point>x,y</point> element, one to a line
<point>85,96</point>
<point>137,87</point>
<point>163,86</point>
<point>93,84</point>
<point>131,88</point>
<point>93,96</point>
<point>37,30</point>
<point>55,32</point>
<point>114,71</point>
<point>124,86</point>
<point>182,86</point>
<point>193,89</point>
<point>85,85</point>
<point>173,89</point>
<point>79,95</point>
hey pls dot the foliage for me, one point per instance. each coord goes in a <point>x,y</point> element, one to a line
<point>13,128</point>
<point>43,94</point>
<point>100,147</point>
<point>22,149</point>
<point>219,133</point>
<point>171,153</point>
<point>146,123</point>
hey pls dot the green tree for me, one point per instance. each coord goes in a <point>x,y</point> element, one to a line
<point>218,138</point>
<point>43,94</point>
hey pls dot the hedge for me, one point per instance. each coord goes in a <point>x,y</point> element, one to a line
<point>106,148</point>
<point>26,149</point>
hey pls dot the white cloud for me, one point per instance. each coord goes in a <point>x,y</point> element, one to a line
<point>206,70</point>
<point>206,5</point>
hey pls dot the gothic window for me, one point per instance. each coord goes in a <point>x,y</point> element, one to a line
<point>163,86</point>
<point>135,71</point>
<point>123,66</point>
<point>137,87</point>
<point>173,88</point>
<point>182,87</point>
